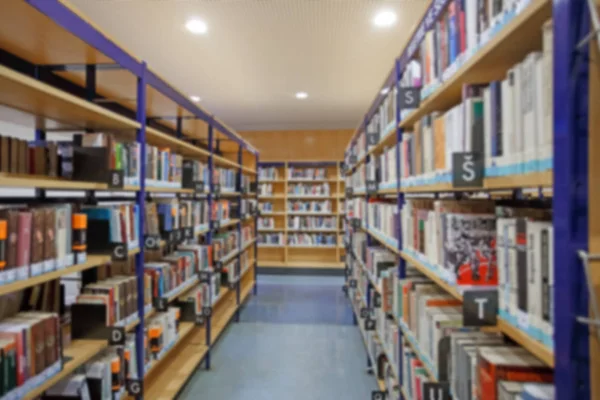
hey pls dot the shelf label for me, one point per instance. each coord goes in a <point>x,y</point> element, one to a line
<point>480,307</point>
<point>467,170</point>
<point>206,311</point>
<point>199,187</point>
<point>178,235</point>
<point>352,283</point>
<point>371,187</point>
<point>217,189</point>
<point>372,138</point>
<point>349,191</point>
<point>355,223</point>
<point>377,300</point>
<point>199,320</point>
<point>215,225</point>
<point>352,159</point>
<point>218,266</point>
<point>365,312</point>
<point>135,388</point>
<point>152,242</point>
<point>115,179</point>
<point>188,232</point>
<point>436,391</point>
<point>409,97</point>
<point>161,304</point>
<point>377,395</point>
<point>117,336</point>
<point>204,276</point>
<point>348,271</point>
<point>345,289</point>
<point>119,252</point>
<point>369,324</point>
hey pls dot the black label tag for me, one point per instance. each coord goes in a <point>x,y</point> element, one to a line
<point>135,388</point>
<point>161,304</point>
<point>119,252</point>
<point>352,159</point>
<point>436,391</point>
<point>409,97</point>
<point>377,300</point>
<point>215,225</point>
<point>365,312</point>
<point>152,242</point>
<point>206,311</point>
<point>349,191</point>
<point>345,289</point>
<point>217,189</point>
<point>199,320</point>
<point>377,395</point>
<point>371,187</point>
<point>115,179</point>
<point>218,266</point>
<point>468,170</point>
<point>178,235</point>
<point>204,276</point>
<point>369,324</point>
<point>355,223</point>
<point>117,336</point>
<point>348,271</point>
<point>199,187</point>
<point>480,307</point>
<point>372,138</point>
<point>352,283</point>
<point>188,232</point>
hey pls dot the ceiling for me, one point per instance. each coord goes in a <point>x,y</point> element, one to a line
<point>258,53</point>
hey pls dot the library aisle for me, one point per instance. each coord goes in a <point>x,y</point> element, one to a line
<point>295,340</point>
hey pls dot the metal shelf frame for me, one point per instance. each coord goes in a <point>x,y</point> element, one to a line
<point>571,28</point>
<point>68,19</point>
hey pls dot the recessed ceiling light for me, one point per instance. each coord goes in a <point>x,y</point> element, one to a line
<point>195,99</point>
<point>196,26</point>
<point>301,95</point>
<point>385,91</point>
<point>385,19</point>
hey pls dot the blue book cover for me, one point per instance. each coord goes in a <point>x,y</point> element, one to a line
<point>452,34</point>
<point>164,211</point>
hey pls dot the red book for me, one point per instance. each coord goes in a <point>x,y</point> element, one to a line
<point>24,239</point>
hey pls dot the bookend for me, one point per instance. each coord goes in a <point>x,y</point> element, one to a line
<point>89,322</point>
<point>187,309</point>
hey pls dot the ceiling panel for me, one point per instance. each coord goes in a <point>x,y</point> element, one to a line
<point>258,53</point>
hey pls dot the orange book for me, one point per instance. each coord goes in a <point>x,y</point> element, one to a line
<point>439,143</point>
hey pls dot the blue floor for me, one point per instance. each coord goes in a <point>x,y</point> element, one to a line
<point>295,341</point>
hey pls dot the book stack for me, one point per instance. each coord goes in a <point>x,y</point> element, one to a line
<point>164,168</point>
<point>266,223</point>
<point>112,223</point>
<point>164,215</point>
<point>172,272</point>
<point>225,243</point>
<point>265,189</point>
<point>40,240</point>
<point>246,183</point>
<point>300,223</point>
<point>306,173</point>
<point>309,206</point>
<point>383,217</point>
<point>194,171</point>
<point>378,261</point>
<point>268,173</point>
<point>245,261</point>
<point>457,236</point>
<point>246,207</point>
<point>265,206</point>
<point>382,168</point>
<point>271,239</point>
<point>309,189</point>
<point>226,178</point>
<point>358,178</point>
<point>315,239</point>
<point>247,233</point>
<point>118,294</point>
<point>161,333</point>
<point>525,248</point>
<point>220,210</point>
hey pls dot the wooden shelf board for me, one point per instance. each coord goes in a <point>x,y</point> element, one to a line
<point>300,264</point>
<point>92,261</point>
<point>312,230</point>
<point>381,384</point>
<point>379,238</point>
<point>184,329</point>
<point>248,170</point>
<point>271,180</point>
<point>221,318</point>
<point>156,137</point>
<point>312,247</point>
<point>491,62</point>
<point>300,213</point>
<point>224,162</point>
<point>272,196</point>
<point>311,197</point>
<point>168,190</point>
<point>433,276</point>
<point>46,182</point>
<point>246,290</point>
<point>536,348</point>
<point>230,194</point>
<point>53,108</point>
<point>266,214</point>
<point>229,223</point>
<point>432,374</point>
<point>308,180</point>
<point>80,351</point>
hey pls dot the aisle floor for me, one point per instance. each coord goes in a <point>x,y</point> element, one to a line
<point>295,341</point>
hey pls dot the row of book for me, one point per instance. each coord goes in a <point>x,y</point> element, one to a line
<point>265,189</point>
<point>265,206</point>
<point>226,243</point>
<point>226,178</point>
<point>266,223</point>
<point>312,222</point>
<point>164,215</point>
<point>309,206</point>
<point>314,239</point>
<point>160,331</point>
<point>104,377</point>
<point>109,223</point>
<point>271,239</point>
<point>309,189</point>
<point>307,173</point>
<point>268,173</point>
<point>37,240</point>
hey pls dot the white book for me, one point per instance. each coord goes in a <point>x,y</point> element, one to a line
<point>534,275</point>
<point>508,122</point>
<point>448,125</point>
<point>547,268</point>
<point>545,151</point>
<point>471,11</point>
<point>528,104</point>
<point>517,140</point>
<point>511,231</point>
<point>487,125</point>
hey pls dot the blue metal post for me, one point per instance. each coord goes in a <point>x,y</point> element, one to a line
<point>239,255</point>
<point>209,234</point>
<point>140,200</point>
<point>256,230</point>
<point>369,239</point>
<point>570,216</point>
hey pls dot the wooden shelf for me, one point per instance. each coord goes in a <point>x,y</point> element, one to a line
<point>271,196</point>
<point>184,329</point>
<point>300,264</point>
<point>271,229</point>
<point>46,182</point>
<point>536,348</point>
<point>156,137</point>
<point>453,291</point>
<point>381,239</point>
<point>272,181</point>
<point>308,180</point>
<point>312,230</point>
<point>153,189</point>
<point>229,194</point>
<point>491,62</point>
<point>80,352</point>
<point>308,246</point>
<point>229,223</point>
<point>224,162</point>
<point>267,214</point>
<point>92,261</point>
<point>246,290</point>
<point>225,310</point>
<point>45,107</point>
<point>311,197</point>
<point>248,170</point>
<point>432,374</point>
<point>310,213</point>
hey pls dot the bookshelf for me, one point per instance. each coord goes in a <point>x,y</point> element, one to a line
<point>283,185</point>
<point>399,194</point>
<point>206,189</point>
